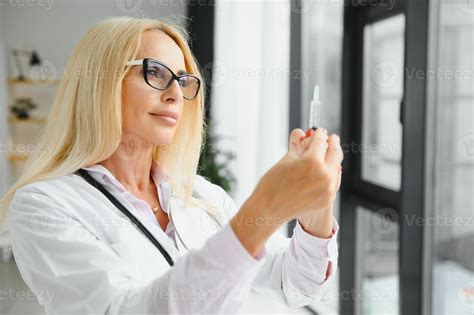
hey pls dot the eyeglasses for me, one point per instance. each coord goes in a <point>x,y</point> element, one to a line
<point>160,77</point>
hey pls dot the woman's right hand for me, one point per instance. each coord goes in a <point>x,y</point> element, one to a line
<point>304,181</point>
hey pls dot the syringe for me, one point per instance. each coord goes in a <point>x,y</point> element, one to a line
<point>314,112</point>
<point>315,109</point>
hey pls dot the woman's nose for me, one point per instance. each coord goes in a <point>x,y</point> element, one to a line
<point>173,93</point>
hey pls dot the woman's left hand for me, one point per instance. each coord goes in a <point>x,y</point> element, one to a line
<point>319,223</point>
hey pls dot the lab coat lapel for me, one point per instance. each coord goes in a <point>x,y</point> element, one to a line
<point>193,226</point>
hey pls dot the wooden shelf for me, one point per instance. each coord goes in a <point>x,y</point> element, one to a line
<point>39,83</point>
<point>18,156</point>
<point>30,120</point>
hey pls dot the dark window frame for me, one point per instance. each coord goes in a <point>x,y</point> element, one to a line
<point>357,192</point>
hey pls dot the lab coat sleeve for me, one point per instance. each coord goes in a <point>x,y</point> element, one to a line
<point>71,271</point>
<point>295,270</point>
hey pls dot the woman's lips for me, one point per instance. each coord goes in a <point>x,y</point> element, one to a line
<point>166,119</point>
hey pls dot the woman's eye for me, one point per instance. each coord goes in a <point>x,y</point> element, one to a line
<point>156,73</point>
<point>183,82</point>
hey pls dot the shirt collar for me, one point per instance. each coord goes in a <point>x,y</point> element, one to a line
<point>157,173</point>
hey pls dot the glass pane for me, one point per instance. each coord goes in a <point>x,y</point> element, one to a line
<point>382,95</point>
<point>453,182</point>
<point>322,33</point>
<point>377,261</point>
<point>322,30</point>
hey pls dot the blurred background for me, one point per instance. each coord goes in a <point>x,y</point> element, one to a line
<point>396,82</point>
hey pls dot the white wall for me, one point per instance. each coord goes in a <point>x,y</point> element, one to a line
<point>54,28</point>
<point>2,14</point>
<point>3,107</point>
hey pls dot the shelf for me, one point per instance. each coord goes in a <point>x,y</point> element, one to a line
<point>30,120</point>
<point>18,156</point>
<point>39,83</point>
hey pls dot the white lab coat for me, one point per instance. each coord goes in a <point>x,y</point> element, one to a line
<point>79,254</point>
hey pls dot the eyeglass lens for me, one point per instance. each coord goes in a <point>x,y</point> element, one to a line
<point>160,77</point>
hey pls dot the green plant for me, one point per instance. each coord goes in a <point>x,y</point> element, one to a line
<point>22,107</point>
<point>217,172</point>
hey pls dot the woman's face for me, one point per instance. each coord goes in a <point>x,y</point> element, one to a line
<point>142,103</point>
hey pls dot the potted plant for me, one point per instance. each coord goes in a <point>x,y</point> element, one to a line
<point>22,107</point>
<point>214,162</point>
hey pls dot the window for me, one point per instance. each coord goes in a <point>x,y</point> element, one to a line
<point>383,92</point>
<point>450,224</point>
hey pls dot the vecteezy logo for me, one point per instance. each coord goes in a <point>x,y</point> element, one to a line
<point>129,6</point>
<point>132,294</point>
<point>217,70</point>
<point>466,148</point>
<point>386,74</point>
<point>131,147</point>
<point>45,74</point>
<point>46,220</point>
<point>384,221</point>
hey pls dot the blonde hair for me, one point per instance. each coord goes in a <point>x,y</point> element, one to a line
<point>84,126</point>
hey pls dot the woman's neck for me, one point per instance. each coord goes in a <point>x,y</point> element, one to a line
<point>132,170</point>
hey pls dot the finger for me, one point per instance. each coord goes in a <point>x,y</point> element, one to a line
<point>303,146</point>
<point>334,155</point>
<point>295,135</point>
<point>306,139</point>
<point>318,145</point>
<point>295,146</point>
<point>304,143</point>
<point>339,180</point>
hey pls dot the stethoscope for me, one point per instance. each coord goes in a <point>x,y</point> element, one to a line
<point>84,174</point>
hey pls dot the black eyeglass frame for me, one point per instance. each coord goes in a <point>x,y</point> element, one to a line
<point>145,62</point>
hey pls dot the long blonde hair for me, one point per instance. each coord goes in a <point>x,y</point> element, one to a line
<point>84,126</point>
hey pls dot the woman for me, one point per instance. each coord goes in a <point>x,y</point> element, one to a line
<point>128,119</point>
